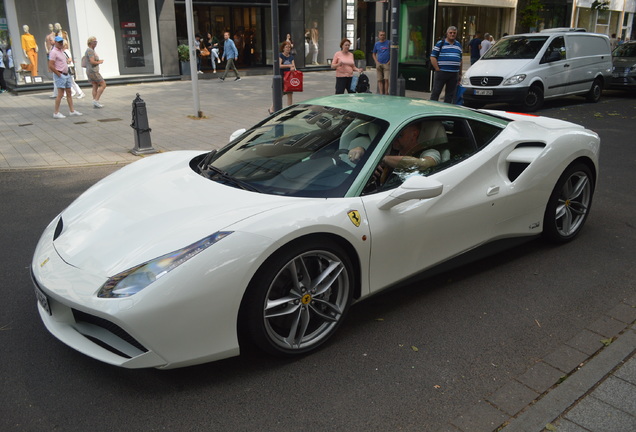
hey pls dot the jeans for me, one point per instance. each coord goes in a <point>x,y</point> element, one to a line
<point>228,66</point>
<point>441,79</point>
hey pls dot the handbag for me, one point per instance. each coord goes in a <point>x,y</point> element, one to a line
<point>205,52</point>
<point>293,81</point>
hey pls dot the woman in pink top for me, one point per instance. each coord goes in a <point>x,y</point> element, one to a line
<point>344,64</point>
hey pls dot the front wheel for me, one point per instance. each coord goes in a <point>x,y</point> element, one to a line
<point>594,95</point>
<point>298,298</point>
<point>534,99</point>
<point>569,204</point>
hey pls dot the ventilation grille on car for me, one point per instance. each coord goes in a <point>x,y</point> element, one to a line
<point>485,81</point>
<point>82,317</point>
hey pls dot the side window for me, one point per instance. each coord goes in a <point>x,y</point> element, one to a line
<point>484,133</point>
<point>423,147</point>
<point>555,51</point>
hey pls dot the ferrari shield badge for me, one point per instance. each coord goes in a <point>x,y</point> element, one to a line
<point>354,216</point>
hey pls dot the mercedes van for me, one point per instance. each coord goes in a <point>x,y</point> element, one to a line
<point>525,69</point>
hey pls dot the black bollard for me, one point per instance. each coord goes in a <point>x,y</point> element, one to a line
<point>139,123</point>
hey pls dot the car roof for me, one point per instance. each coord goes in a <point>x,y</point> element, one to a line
<point>397,109</point>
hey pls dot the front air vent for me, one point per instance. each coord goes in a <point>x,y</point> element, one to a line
<point>58,229</point>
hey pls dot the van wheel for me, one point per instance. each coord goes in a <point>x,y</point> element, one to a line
<point>594,95</point>
<point>534,99</point>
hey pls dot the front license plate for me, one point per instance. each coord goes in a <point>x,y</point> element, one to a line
<point>43,300</point>
<point>483,92</point>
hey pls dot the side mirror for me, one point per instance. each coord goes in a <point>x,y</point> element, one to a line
<point>236,134</point>
<point>415,187</point>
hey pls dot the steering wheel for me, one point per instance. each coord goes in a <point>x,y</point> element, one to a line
<point>338,159</point>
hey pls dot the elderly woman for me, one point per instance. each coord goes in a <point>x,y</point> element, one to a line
<point>345,65</point>
<point>92,71</point>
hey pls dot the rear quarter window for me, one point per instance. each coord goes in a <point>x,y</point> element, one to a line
<point>484,133</point>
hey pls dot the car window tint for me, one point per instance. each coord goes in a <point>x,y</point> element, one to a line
<point>484,133</point>
<point>556,50</point>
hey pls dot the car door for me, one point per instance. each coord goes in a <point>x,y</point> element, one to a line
<point>416,234</point>
<point>556,69</point>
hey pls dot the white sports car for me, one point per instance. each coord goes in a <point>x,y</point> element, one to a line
<point>183,257</point>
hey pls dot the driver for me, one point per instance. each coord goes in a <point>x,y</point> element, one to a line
<point>408,152</point>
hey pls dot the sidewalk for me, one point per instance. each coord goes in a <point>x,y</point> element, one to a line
<point>582,386</point>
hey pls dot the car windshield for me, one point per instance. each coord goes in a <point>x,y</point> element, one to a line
<point>625,50</point>
<point>516,47</point>
<point>302,151</point>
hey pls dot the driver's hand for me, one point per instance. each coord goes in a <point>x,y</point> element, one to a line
<point>355,154</point>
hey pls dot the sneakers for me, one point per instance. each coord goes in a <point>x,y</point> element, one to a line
<point>222,79</point>
<point>96,104</point>
<point>237,79</point>
<point>58,115</point>
<point>199,72</point>
<point>81,96</point>
<point>214,71</point>
<point>75,113</point>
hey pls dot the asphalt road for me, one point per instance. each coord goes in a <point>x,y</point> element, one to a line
<point>411,359</point>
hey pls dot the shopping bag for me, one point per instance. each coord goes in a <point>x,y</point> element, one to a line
<point>293,81</point>
<point>354,83</point>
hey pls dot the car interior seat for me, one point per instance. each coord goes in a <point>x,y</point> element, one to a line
<point>360,133</point>
<point>433,134</point>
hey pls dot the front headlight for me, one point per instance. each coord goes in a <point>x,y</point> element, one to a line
<point>465,81</point>
<point>514,79</point>
<point>133,280</point>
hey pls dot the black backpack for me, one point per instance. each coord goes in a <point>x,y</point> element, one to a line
<point>363,84</point>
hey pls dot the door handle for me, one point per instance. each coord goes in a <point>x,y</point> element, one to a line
<point>492,190</point>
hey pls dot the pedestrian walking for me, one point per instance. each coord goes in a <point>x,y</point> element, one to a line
<point>345,65</point>
<point>75,88</point>
<point>446,60</point>
<point>382,58</point>
<point>230,53</point>
<point>58,64</point>
<point>92,72</point>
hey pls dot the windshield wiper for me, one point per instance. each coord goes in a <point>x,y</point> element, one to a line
<point>213,172</point>
<point>206,161</point>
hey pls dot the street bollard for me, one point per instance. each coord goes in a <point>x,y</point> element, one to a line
<point>401,86</point>
<point>140,125</point>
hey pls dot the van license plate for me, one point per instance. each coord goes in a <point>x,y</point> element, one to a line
<point>483,92</point>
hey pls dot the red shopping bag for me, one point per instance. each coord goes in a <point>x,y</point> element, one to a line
<point>293,81</point>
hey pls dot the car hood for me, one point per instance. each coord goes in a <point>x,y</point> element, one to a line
<point>150,208</point>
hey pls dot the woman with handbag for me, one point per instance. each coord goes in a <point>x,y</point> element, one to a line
<point>345,65</point>
<point>287,64</point>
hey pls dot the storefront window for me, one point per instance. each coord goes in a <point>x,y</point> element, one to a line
<point>415,31</point>
<point>323,30</point>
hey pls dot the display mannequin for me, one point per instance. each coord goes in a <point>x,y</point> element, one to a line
<point>49,40</point>
<point>62,33</point>
<point>314,35</point>
<point>30,49</point>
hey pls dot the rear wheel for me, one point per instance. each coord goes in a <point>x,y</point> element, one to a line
<point>569,204</point>
<point>534,99</point>
<point>298,298</point>
<point>594,95</point>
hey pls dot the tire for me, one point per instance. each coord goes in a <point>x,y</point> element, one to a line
<point>569,204</point>
<point>594,95</point>
<point>298,298</point>
<point>533,100</point>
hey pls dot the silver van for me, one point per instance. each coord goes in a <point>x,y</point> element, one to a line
<point>525,69</point>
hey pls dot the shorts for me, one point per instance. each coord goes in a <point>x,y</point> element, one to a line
<point>383,71</point>
<point>63,81</point>
<point>95,77</point>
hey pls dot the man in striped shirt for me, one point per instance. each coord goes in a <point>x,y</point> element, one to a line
<point>446,60</point>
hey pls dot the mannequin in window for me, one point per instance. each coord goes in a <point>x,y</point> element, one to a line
<point>49,40</point>
<point>314,35</point>
<point>62,33</point>
<point>30,49</point>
